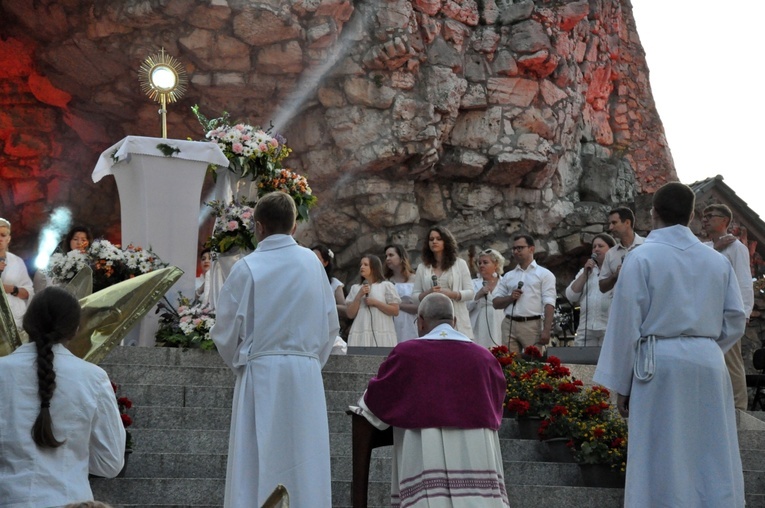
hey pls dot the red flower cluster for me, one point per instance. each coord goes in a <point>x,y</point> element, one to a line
<point>533,352</point>
<point>596,409</point>
<point>518,405</point>
<point>559,410</point>
<point>573,387</point>
<point>124,403</point>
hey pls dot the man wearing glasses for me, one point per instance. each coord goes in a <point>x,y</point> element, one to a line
<point>621,224</point>
<point>527,294</point>
<point>715,221</point>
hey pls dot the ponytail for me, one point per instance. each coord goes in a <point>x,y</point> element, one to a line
<point>53,316</point>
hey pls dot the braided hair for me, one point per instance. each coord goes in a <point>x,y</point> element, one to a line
<point>53,316</point>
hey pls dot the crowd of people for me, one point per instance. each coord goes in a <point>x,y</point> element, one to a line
<point>670,351</point>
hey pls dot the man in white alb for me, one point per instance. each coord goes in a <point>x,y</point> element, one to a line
<point>715,222</point>
<point>679,309</point>
<point>527,294</point>
<point>621,224</point>
<point>276,321</point>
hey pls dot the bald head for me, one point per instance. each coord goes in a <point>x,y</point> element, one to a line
<point>434,309</point>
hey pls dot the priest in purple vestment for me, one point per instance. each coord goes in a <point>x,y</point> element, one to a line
<point>443,396</point>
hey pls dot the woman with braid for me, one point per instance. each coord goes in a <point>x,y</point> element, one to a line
<point>59,414</point>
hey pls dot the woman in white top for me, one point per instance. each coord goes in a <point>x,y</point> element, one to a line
<point>17,285</point>
<point>205,262</point>
<point>399,271</point>
<point>485,319</point>
<point>372,306</point>
<point>593,304</point>
<point>60,418</point>
<point>441,271</point>
<point>327,258</point>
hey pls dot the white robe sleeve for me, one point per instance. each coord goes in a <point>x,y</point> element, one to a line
<point>465,282</point>
<point>234,303</point>
<point>734,320</point>
<point>333,322</point>
<point>107,438</point>
<point>391,295</point>
<point>419,282</point>
<point>571,295</point>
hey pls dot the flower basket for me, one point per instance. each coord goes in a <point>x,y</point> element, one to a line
<point>602,476</point>
<point>188,326</point>
<point>122,472</point>
<point>559,449</point>
<point>257,154</point>
<point>234,226</point>
<point>110,263</point>
<point>550,403</point>
<point>528,426</point>
<point>603,441</point>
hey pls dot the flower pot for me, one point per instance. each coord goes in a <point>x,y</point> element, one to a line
<point>528,427</point>
<point>121,474</point>
<point>506,413</point>
<point>558,451</point>
<point>602,476</point>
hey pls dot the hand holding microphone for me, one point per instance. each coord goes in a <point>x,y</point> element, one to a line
<point>517,292</point>
<point>434,281</point>
<point>592,262</point>
<point>2,264</point>
<point>365,289</point>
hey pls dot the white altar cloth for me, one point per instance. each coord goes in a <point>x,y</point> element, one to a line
<point>160,200</point>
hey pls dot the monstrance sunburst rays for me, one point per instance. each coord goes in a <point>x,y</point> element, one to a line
<point>163,78</point>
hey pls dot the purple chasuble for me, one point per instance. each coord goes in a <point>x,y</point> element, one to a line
<point>427,383</point>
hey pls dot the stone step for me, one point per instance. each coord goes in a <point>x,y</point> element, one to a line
<point>181,418</point>
<point>176,465</point>
<point>124,375</point>
<point>198,358</point>
<point>174,395</point>
<point>149,491</point>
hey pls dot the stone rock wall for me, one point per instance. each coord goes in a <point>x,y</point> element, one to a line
<point>489,117</point>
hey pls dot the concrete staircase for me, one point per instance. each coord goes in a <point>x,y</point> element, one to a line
<point>182,406</point>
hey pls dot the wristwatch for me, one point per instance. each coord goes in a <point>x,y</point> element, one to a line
<point>15,291</point>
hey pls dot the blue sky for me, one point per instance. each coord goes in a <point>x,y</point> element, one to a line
<point>706,72</point>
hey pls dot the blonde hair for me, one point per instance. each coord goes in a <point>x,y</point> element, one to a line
<point>5,224</point>
<point>496,257</point>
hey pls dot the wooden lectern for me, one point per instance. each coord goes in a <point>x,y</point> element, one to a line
<point>365,437</point>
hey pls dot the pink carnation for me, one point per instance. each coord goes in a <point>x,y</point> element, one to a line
<point>263,147</point>
<point>237,147</point>
<point>232,225</point>
<point>274,142</point>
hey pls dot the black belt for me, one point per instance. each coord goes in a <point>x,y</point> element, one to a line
<point>523,319</point>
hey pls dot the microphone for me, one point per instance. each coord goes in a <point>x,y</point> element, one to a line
<point>594,257</point>
<point>520,285</point>
<point>365,283</point>
<point>434,280</point>
<point>483,284</point>
<point>2,260</point>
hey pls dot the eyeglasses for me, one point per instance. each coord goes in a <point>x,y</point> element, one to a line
<point>519,247</point>
<point>710,215</point>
